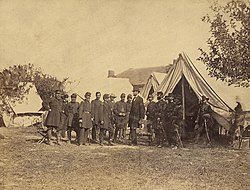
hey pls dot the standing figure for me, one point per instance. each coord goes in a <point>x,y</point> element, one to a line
<point>85,120</point>
<point>203,122</point>
<point>172,114</point>
<point>53,120</point>
<point>137,113</point>
<point>129,104</point>
<point>95,104</point>
<point>72,114</point>
<point>150,113</point>
<point>63,115</point>
<point>105,119</point>
<point>120,112</point>
<point>159,119</point>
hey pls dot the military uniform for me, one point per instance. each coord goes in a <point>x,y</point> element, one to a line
<point>105,120</point>
<point>72,118</point>
<point>85,121</point>
<point>150,113</point>
<point>95,104</point>
<point>160,107</point>
<point>173,117</point>
<point>53,119</point>
<point>203,118</point>
<point>120,111</point>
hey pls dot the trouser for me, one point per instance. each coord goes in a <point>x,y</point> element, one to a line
<point>133,135</point>
<point>94,132</point>
<point>172,138</point>
<point>159,136</point>
<point>102,135</point>
<point>69,131</point>
<point>83,136</point>
<point>149,130</point>
<point>49,134</point>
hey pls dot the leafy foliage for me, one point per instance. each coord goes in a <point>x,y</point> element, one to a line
<point>228,58</point>
<point>14,80</point>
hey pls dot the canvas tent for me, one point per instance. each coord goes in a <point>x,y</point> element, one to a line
<point>25,112</point>
<point>103,85</point>
<point>154,80</point>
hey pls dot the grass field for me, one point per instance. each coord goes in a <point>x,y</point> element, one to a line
<point>25,164</point>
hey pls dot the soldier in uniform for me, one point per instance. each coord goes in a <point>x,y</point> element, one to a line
<point>105,119</point>
<point>72,117</point>
<point>85,120</point>
<point>137,113</point>
<point>53,120</point>
<point>63,116</point>
<point>129,104</point>
<point>150,113</point>
<point>177,122</point>
<point>95,104</point>
<point>120,112</point>
<point>204,120</point>
<point>160,106</point>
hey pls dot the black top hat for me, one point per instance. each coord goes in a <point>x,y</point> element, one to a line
<point>136,89</point>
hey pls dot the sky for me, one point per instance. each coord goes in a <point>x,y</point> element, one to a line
<point>81,39</point>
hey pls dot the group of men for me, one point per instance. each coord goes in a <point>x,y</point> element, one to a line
<point>102,117</point>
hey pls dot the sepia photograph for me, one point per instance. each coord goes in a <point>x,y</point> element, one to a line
<point>125,94</point>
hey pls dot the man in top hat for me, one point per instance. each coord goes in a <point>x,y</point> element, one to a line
<point>204,120</point>
<point>137,113</point>
<point>85,119</point>
<point>120,112</point>
<point>53,119</point>
<point>159,119</point>
<point>105,120</point>
<point>72,117</point>
<point>95,104</point>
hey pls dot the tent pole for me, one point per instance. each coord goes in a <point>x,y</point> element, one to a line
<point>183,97</point>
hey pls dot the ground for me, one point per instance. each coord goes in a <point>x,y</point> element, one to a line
<point>25,164</point>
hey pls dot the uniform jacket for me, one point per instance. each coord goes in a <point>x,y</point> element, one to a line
<point>106,115</point>
<point>71,112</point>
<point>54,116</point>
<point>160,109</point>
<point>95,104</point>
<point>151,111</point>
<point>85,114</point>
<point>137,111</point>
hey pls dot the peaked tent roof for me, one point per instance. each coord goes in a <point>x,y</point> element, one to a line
<point>154,80</point>
<point>31,103</point>
<point>184,67</point>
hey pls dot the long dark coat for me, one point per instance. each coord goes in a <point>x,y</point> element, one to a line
<point>54,116</point>
<point>71,112</point>
<point>121,110</point>
<point>106,115</point>
<point>85,114</point>
<point>95,104</point>
<point>137,111</point>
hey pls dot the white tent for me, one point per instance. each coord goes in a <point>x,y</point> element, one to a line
<point>183,72</point>
<point>103,85</point>
<point>154,80</point>
<point>185,79</point>
<point>25,112</point>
